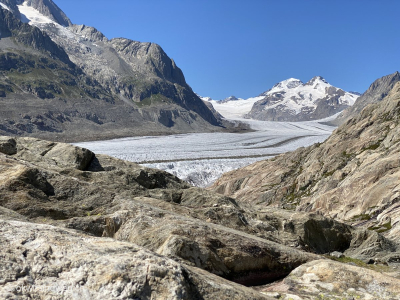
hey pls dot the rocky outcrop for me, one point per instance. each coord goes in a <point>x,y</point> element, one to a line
<point>68,216</point>
<point>353,176</point>
<point>378,90</point>
<point>327,279</point>
<point>41,261</point>
<point>68,186</point>
<point>292,100</point>
<point>8,145</point>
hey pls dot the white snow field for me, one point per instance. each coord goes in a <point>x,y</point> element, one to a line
<point>201,158</point>
<point>4,6</point>
<point>236,108</point>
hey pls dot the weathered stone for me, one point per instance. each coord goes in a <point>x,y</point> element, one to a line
<point>326,279</point>
<point>201,231</point>
<point>8,145</point>
<point>336,254</point>
<point>42,261</point>
<point>45,182</point>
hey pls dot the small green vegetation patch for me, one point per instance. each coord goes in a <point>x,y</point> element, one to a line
<point>154,99</point>
<point>359,263</point>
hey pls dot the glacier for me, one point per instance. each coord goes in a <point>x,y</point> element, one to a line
<point>201,158</point>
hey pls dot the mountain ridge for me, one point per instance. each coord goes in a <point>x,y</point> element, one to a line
<point>293,100</point>
<point>288,100</point>
<point>134,75</point>
<point>375,93</point>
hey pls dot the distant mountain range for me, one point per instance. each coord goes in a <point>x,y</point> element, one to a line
<point>289,100</point>
<point>69,82</point>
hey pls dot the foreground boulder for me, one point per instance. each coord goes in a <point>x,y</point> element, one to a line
<point>43,262</point>
<point>327,279</point>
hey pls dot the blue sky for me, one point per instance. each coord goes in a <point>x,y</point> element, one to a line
<point>243,48</point>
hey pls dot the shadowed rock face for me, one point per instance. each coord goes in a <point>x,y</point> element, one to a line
<point>353,176</point>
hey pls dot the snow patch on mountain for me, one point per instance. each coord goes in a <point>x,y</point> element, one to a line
<point>290,83</point>
<point>5,6</point>
<point>233,109</point>
<point>33,17</point>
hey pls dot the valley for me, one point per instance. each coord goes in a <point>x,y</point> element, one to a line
<point>201,158</point>
<point>118,181</point>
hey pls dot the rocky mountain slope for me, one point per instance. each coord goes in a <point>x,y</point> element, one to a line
<point>354,176</point>
<point>59,78</point>
<point>375,93</point>
<point>75,223</point>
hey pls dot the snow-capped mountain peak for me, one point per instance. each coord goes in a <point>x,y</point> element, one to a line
<point>316,80</point>
<point>290,100</point>
<point>288,83</point>
<point>231,98</point>
<point>205,98</point>
<point>45,15</point>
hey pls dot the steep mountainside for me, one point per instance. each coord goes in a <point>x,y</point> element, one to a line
<point>375,93</point>
<point>354,176</point>
<point>74,220</point>
<point>292,100</point>
<point>78,79</point>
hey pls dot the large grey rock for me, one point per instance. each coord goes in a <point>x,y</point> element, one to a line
<point>45,182</point>
<point>8,145</point>
<point>42,261</point>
